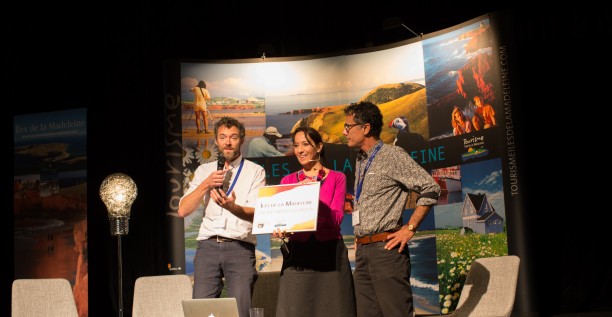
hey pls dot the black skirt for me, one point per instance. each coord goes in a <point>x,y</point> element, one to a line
<point>316,280</point>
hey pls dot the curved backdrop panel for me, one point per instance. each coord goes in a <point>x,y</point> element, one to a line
<point>445,99</point>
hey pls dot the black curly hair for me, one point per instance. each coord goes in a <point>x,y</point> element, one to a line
<point>366,112</point>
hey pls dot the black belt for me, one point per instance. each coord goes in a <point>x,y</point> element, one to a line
<point>222,239</point>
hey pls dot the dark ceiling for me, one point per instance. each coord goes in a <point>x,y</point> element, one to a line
<point>281,28</point>
<point>120,48</point>
<point>229,29</point>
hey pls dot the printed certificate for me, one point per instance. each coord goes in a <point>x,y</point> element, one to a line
<point>290,207</point>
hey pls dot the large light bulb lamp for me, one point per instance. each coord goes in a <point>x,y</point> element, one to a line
<point>118,191</point>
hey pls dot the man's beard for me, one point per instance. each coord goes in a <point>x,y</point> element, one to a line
<point>234,154</point>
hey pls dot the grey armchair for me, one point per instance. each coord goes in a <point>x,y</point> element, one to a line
<point>161,295</point>
<point>49,297</point>
<point>490,288</point>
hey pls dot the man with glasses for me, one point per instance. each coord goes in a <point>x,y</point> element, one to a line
<point>228,193</point>
<point>384,177</point>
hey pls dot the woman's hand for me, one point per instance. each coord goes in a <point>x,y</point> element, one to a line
<point>280,234</point>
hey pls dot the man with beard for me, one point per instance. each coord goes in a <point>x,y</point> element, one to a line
<point>228,193</point>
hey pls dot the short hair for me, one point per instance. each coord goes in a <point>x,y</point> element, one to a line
<point>229,122</point>
<point>314,135</point>
<point>366,112</point>
<point>202,84</point>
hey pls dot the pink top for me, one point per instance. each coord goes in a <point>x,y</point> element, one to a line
<point>331,207</point>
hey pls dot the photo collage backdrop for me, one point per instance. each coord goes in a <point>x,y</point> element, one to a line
<point>441,101</point>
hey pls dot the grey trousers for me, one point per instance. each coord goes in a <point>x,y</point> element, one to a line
<point>234,261</point>
<point>382,281</point>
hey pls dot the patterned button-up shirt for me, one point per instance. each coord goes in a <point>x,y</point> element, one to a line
<point>386,187</point>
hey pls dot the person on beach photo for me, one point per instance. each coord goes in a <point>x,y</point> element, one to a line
<point>264,146</point>
<point>484,115</point>
<point>461,124</point>
<point>201,96</point>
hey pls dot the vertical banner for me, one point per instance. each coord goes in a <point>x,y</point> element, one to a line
<point>50,199</point>
<point>174,170</point>
<point>442,102</point>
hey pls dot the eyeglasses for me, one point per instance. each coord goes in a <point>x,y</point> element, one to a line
<point>348,127</point>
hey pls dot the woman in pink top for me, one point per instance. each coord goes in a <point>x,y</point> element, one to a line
<point>316,277</point>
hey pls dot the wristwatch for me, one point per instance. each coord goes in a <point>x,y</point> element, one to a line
<point>411,227</point>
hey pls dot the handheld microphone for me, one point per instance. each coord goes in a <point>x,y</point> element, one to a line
<point>220,166</point>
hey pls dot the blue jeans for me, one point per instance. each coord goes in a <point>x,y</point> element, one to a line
<point>234,261</point>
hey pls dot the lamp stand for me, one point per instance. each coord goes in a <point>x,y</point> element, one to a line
<point>120,226</point>
<point>120,275</point>
<point>118,192</point>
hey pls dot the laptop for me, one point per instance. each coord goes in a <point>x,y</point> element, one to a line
<point>211,307</point>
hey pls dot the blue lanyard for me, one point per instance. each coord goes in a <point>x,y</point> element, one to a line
<point>235,178</point>
<point>362,176</point>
